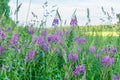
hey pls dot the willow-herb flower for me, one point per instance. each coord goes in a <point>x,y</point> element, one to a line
<point>92,49</point>
<point>2,34</point>
<point>55,22</point>
<point>15,39</point>
<point>80,40</point>
<point>109,49</point>
<point>53,38</point>
<point>31,54</point>
<point>73,57</point>
<point>35,40</point>
<point>79,70</point>
<point>43,33</point>
<point>59,32</point>
<point>107,61</point>
<point>73,22</point>
<point>114,50</point>
<point>41,40</point>
<point>68,32</point>
<point>97,56</point>
<point>9,29</point>
<point>2,48</point>
<point>0,54</point>
<point>103,50</point>
<point>31,30</point>
<point>45,47</point>
<point>115,77</point>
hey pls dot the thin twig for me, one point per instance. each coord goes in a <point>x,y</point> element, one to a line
<point>28,12</point>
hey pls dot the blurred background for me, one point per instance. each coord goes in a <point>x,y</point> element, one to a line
<point>66,9</point>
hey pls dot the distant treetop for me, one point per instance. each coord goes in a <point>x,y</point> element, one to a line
<point>4,8</point>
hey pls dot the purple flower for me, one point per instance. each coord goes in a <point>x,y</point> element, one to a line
<point>41,40</point>
<point>109,48</point>
<point>0,55</point>
<point>16,49</point>
<point>59,32</point>
<point>97,56</point>
<point>45,47</point>
<point>60,36</point>
<point>80,40</point>
<point>115,77</point>
<point>43,33</point>
<point>31,54</point>
<point>68,32</point>
<point>80,69</point>
<point>2,34</point>
<point>73,22</point>
<point>114,50</point>
<point>35,40</point>
<point>2,49</point>
<point>55,22</point>
<point>103,50</point>
<point>73,57</point>
<point>107,61</point>
<point>15,39</point>
<point>31,30</point>
<point>9,29</point>
<point>54,38</point>
<point>92,49</point>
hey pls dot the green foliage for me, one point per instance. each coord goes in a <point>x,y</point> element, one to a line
<point>5,20</point>
<point>52,65</point>
<point>4,8</point>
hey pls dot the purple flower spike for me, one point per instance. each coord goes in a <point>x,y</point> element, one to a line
<point>2,34</point>
<point>9,29</point>
<point>31,30</point>
<point>107,61</point>
<point>80,69</point>
<point>114,50</point>
<point>97,56</point>
<point>0,55</point>
<point>54,38</point>
<point>43,33</point>
<point>55,22</point>
<point>73,57</point>
<point>41,40</point>
<point>92,49</point>
<point>31,54</point>
<point>80,40</point>
<point>103,50</point>
<point>59,32</point>
<point>73,22</point>
<point>35,40</point>
<point>109,48</point>
<point>45,47</point>
<point>68,32</point>
<point>15,39</point>
<point>2,49</point>
<point>115,77</point>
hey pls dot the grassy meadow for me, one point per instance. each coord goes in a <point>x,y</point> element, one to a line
<point>62,53</point>
<point>73,52</point>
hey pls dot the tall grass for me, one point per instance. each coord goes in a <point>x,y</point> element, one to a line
<point>54,64</point>
<point>60,53</point>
